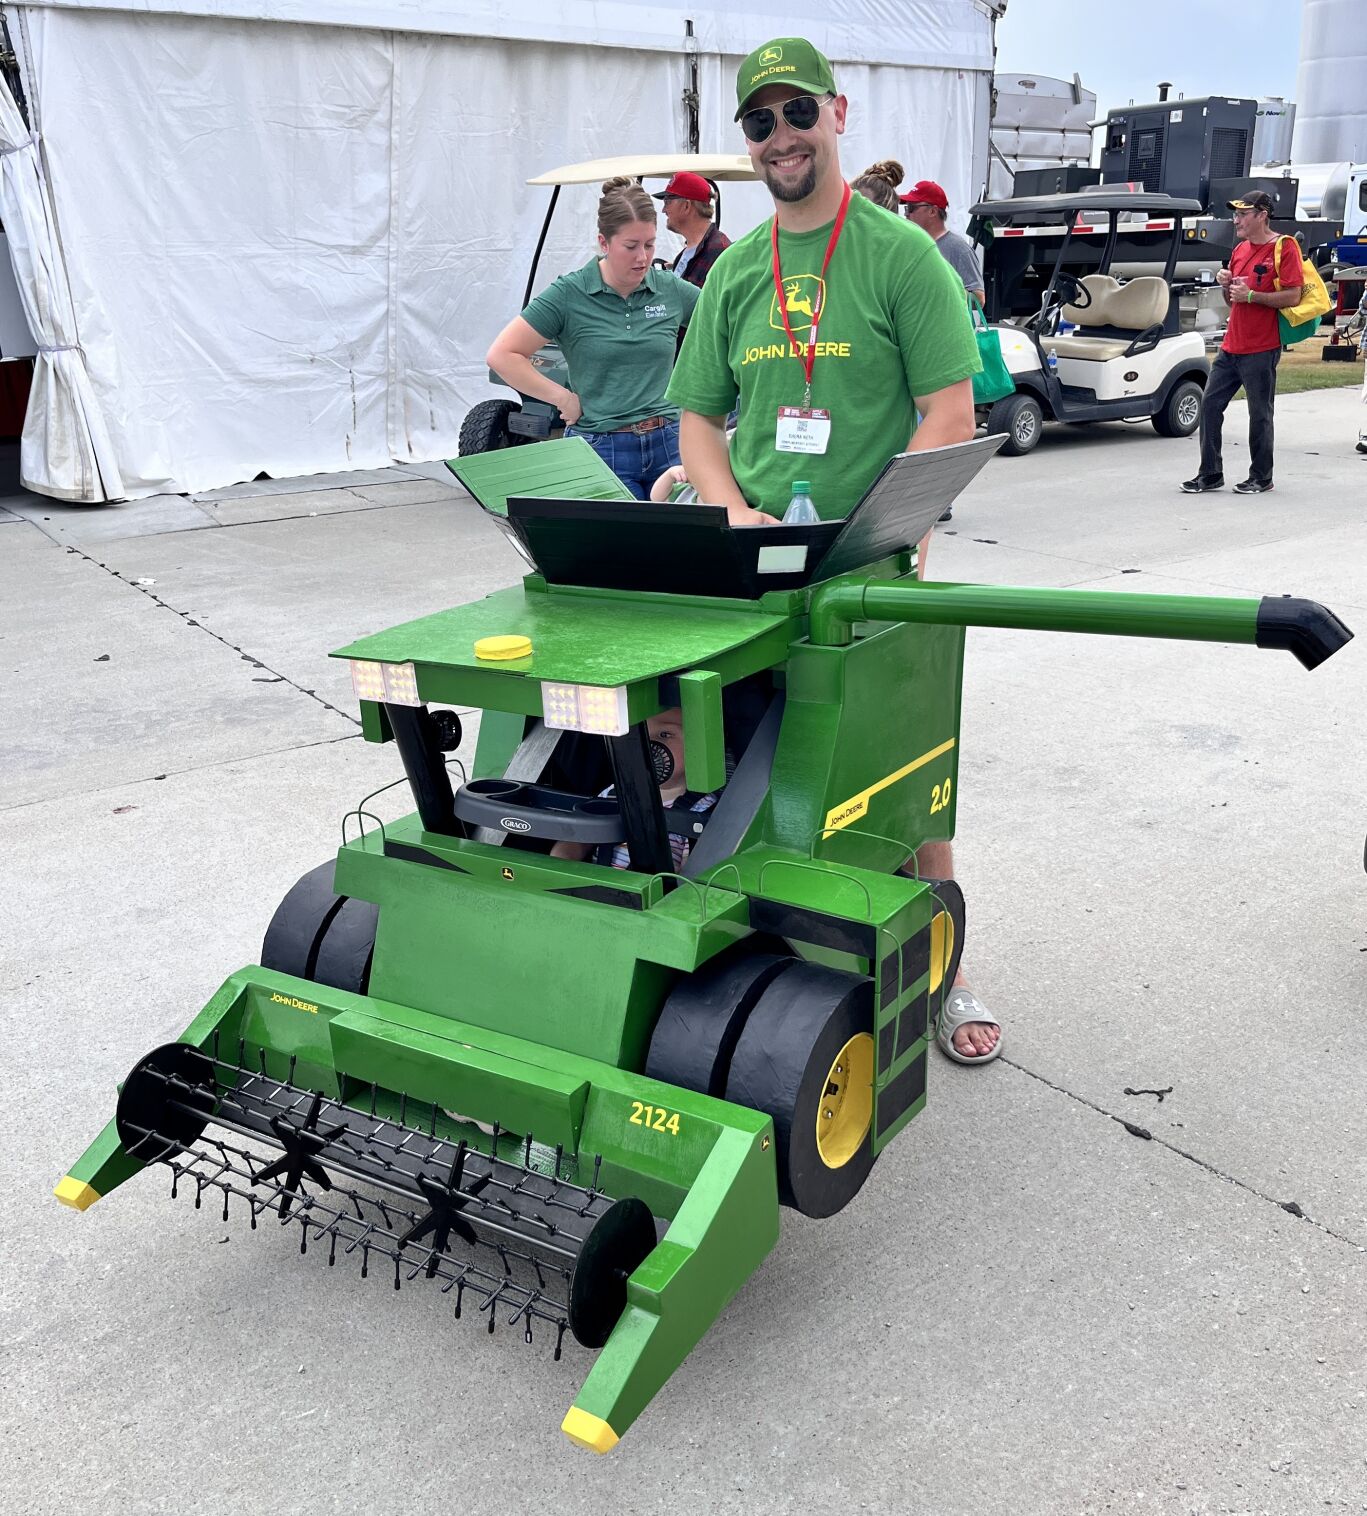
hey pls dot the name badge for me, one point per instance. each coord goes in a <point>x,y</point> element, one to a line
<point>802,430</point>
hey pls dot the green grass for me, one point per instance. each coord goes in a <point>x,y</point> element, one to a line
<point>1293,378</point>
<point>1301,368</point>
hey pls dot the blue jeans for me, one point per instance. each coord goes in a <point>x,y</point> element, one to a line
<point>637,458</point>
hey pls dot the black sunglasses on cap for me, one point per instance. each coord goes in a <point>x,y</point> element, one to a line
<point>801,113</point>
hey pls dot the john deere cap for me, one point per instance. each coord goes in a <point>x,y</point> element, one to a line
<point>785,60</point>
<point>1258,200</point>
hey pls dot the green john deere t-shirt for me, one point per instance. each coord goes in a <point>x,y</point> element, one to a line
<point>894,323</point>
<point>619,349</point>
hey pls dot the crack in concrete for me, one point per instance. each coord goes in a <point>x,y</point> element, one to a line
<point>1201,1163</point>
<point>380,505</point>
<point>189,620</point>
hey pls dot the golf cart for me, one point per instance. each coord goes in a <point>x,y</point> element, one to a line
<point>505,423</point>
<point>1098,347</point>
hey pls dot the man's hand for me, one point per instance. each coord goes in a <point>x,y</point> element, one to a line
<point>1240,292</point>
<point>1223,278</point>
<point>570,406</point>
<point>747,515</point>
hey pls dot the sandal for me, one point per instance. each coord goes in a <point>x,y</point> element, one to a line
<point>962,1006</point>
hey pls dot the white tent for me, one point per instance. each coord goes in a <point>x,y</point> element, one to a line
<point>287,230</point>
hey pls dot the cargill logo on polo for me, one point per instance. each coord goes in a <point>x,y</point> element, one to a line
<point>771,55</point>
<point>802,295</point>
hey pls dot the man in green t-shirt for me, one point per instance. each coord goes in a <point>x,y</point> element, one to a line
<point>893,333</point>
<point>892,339</point>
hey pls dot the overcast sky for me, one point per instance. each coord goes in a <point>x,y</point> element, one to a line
<point>1205,47</point>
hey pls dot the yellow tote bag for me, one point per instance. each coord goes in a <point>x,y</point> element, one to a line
<point>1302,320</point>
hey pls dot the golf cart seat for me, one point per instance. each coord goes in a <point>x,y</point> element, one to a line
<point>1118,314</point>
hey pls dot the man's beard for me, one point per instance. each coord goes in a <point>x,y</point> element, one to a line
<point>789,191</point>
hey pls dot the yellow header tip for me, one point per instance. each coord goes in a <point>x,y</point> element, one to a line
<point>588,1431</point>
<point>76,1193</point>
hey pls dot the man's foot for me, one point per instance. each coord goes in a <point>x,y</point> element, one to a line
<point>1251,486</point>
<point>1200,484</point>
<point>949,509</point>
<point>1362,445</point>
<point>968,1032</point>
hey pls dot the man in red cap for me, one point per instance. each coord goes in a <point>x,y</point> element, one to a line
<point>927,205</point>
<point>687,200</point>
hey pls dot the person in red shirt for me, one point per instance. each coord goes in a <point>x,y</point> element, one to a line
<point>1264,276</point>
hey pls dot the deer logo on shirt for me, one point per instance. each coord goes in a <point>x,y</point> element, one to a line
<point>803,296</point>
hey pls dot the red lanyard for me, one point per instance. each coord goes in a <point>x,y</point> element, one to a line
<point>809,359</point>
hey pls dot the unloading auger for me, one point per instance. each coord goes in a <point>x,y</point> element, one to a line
<point>571,1097</point>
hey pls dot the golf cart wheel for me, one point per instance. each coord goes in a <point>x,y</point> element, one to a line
<point>485,428</point>
<point>1181,413</point>
<point>703,1017</point>
<point>320,935</point>
<point>806,1059</point>
<point>1020,419</point>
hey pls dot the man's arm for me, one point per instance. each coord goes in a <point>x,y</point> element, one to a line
<point>707,462</point>
<point>946,417</point>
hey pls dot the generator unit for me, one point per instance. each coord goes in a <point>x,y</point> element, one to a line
<point>1179,146</point>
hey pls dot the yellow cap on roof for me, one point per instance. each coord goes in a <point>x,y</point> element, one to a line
<point>500,649</point>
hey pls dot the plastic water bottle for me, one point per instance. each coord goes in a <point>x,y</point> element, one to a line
<point>1052,361</point>
<point>801,511</point>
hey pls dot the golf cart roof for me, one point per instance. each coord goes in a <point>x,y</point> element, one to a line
<point>720,166</point>
<point>1033,207</point>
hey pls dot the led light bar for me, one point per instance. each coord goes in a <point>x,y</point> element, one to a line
<point>585,708</point>
<point>389,683</point>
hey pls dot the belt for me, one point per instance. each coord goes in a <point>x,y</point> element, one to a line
<point>650,424</point>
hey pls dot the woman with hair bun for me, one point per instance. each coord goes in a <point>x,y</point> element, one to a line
<point>879,184</point>
<point>617,320</point>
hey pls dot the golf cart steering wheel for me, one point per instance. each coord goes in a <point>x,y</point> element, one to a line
<point>1067,291</point>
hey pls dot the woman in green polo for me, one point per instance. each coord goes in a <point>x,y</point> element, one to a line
<point>617,320</point>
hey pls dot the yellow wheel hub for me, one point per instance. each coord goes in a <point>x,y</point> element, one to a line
<point>846,1108</point>
<point>941,948</point>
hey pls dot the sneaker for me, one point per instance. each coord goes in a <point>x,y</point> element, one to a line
<point>1362,445</point>
<point>1251,486</point>
<point>949,509</point>
<point>1200,485</point>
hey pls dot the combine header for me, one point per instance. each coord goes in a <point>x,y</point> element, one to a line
<point>573,1097</point>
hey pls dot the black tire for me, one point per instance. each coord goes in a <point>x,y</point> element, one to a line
<point>320,935</point>
<point>786,1064</point>
<point>1181,413</point>
<point>485,428</point>
<point>703,1017</point>
<point>1020,419</point>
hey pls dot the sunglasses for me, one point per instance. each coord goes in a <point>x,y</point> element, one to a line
<point>801,113</point>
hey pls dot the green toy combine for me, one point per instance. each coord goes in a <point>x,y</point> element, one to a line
<point>573,1096</point>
